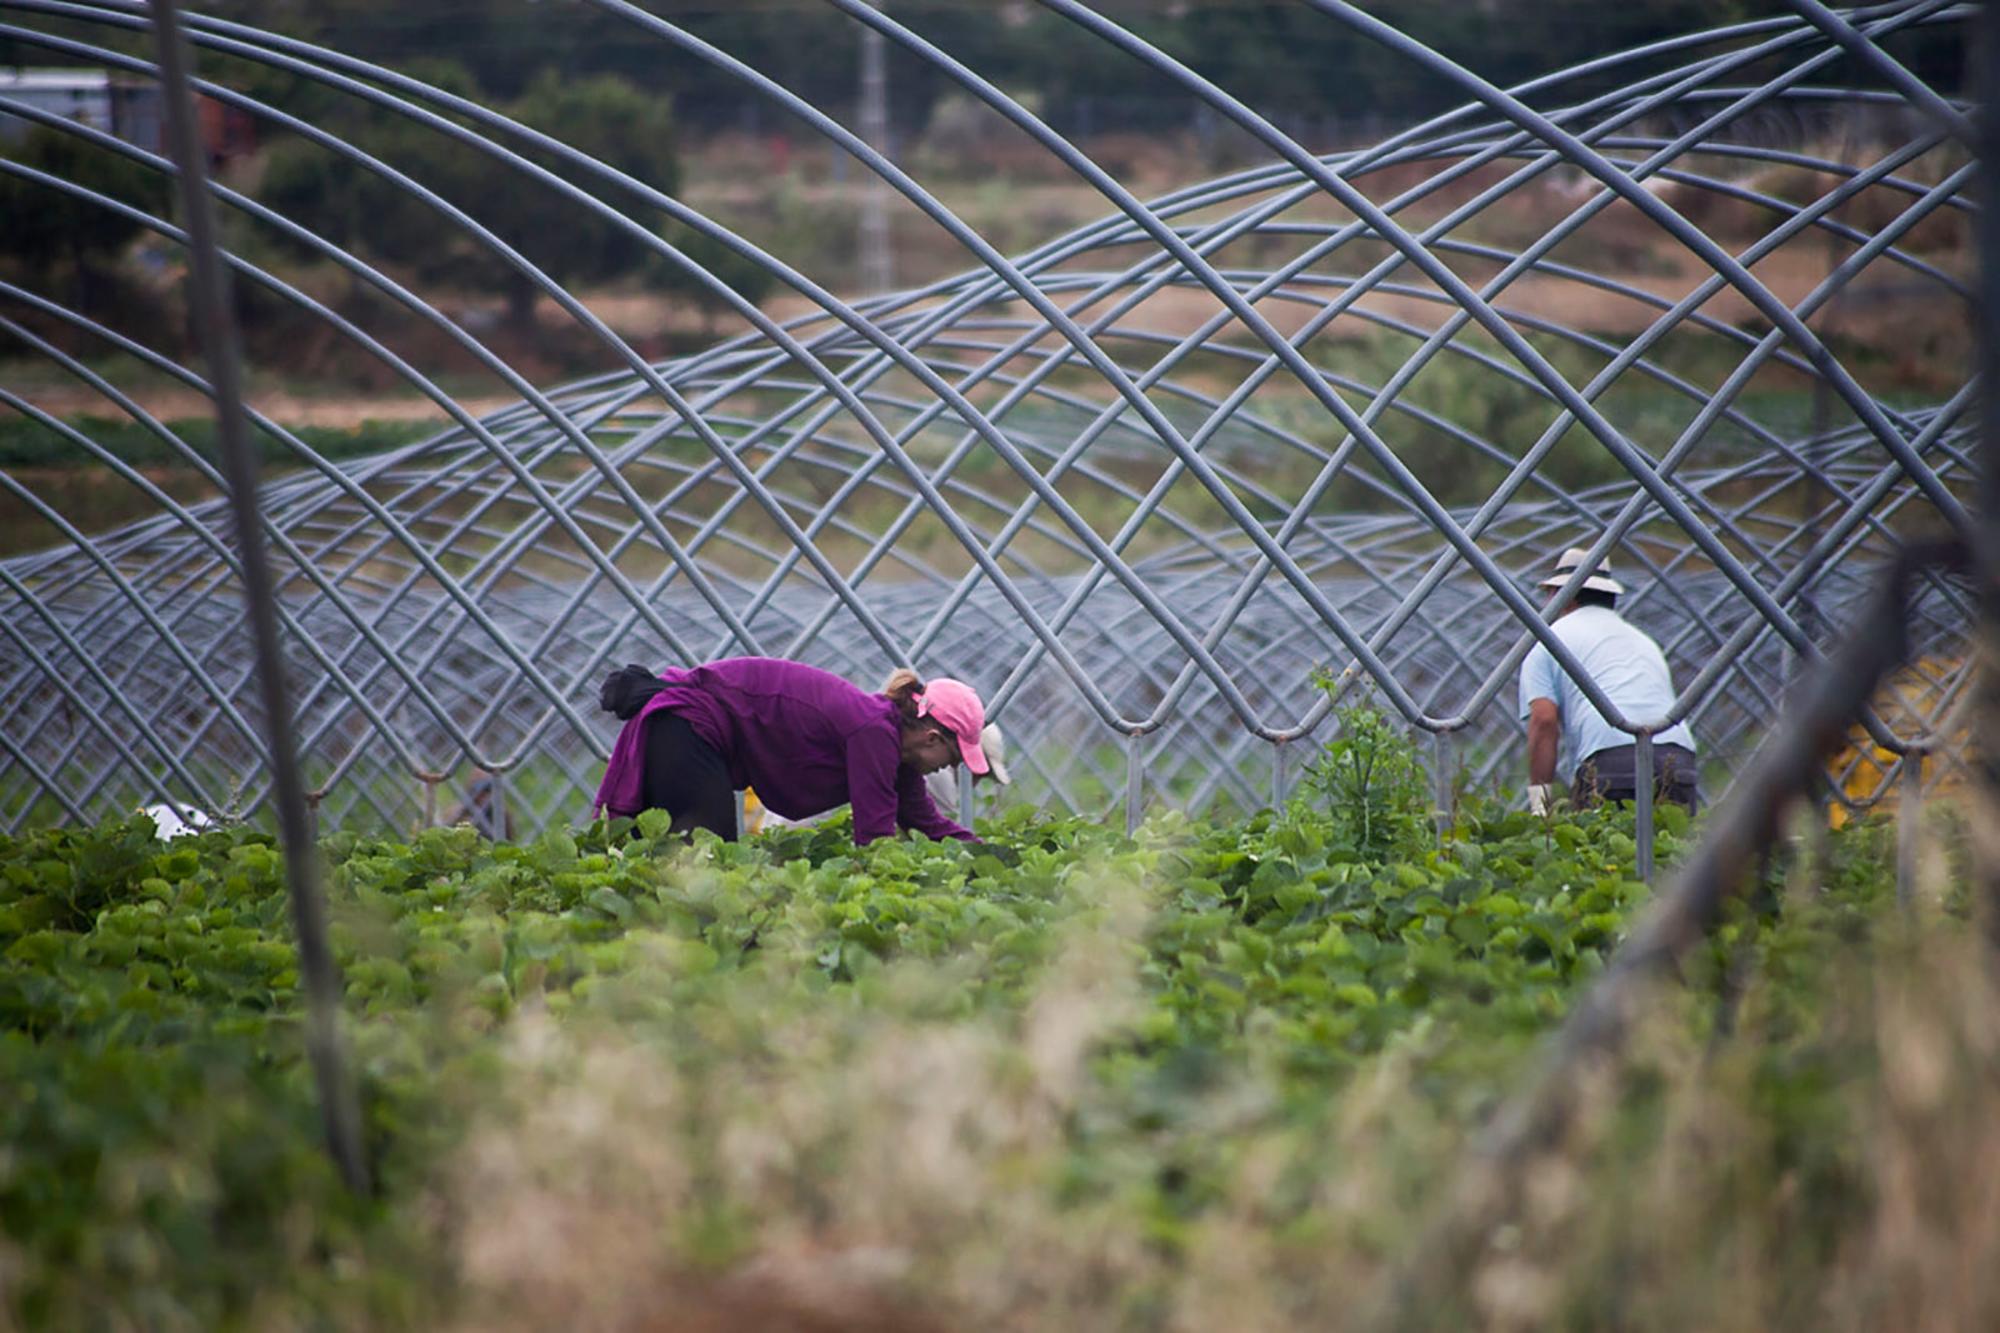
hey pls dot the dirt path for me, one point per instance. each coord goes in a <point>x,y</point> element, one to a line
<point>291,409</point>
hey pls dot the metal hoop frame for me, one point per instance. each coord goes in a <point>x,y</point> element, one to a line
<point>1118,525</point>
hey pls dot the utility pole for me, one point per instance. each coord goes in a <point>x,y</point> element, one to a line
<point>878,273</point>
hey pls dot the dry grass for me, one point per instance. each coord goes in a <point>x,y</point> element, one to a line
<point>1833,1163</point>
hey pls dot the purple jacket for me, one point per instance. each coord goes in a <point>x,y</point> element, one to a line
<point>806,739</point>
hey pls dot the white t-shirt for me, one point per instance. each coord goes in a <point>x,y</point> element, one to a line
<point>1624,662</point>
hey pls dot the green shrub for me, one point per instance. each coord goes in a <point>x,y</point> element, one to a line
<point>28,443</point>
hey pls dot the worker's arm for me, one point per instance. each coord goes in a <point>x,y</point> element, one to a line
<point>1545,729</point>
<point>916,810</point>
<point>1539,686</point>
<point>872,759</point>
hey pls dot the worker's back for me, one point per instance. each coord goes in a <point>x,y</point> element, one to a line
<point>1623,661</point>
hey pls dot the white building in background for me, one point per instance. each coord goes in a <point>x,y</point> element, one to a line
<point>128,108</point>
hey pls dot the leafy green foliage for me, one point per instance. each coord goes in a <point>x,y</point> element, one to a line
<point>41,226</point>
<point>1370,781</point>
<point>605,117</point>
<point>25,442</point>
<point>1281,55</point>
<point>159,1138</point>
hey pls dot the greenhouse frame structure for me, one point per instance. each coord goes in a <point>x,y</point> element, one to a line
<point>1141,484</point>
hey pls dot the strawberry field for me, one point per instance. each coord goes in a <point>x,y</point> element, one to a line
<point>1214,1076</point>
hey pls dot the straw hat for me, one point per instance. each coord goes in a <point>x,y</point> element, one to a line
<point>1570,561</point>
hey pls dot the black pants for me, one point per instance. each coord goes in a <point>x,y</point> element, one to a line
<point>685,777</point>
<point>1613,775</point>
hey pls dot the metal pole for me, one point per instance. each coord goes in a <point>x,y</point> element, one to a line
<point>1135,784</point>
<point>1281,774</point>
<point>1642,790</point>
<point>965,796</point>
<point>1985,747</point>
<point>877,267</point>
<point>496,808</point>
<point>208,293</point>
<point>1441,754</point>
<point>1909,825</point>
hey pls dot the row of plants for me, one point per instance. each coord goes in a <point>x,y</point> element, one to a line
<point>1057,1078</point>
<point>27,443</point>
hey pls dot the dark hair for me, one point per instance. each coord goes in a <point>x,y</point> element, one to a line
<point>626,690</point>
<point>904,687</point>
<point>1595,597</point>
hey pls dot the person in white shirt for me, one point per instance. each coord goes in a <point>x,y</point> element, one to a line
<point>1630,669</point>
<point>943,784</point>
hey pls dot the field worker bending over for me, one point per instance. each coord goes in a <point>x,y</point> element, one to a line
<point>804,738</point>
<point>1630,669</point>
<point>905,686</point>
<point>942,783</point>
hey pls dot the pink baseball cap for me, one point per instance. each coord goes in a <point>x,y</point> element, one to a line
<point>957,705</point>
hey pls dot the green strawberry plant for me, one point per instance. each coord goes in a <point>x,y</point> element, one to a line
<point>158,1138</point>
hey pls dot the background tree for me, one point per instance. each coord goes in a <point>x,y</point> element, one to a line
<point>603,116</point>
<point>44,230</point>
<point>1280,55</point>
<point>357,208</point>
<point>623,128</point>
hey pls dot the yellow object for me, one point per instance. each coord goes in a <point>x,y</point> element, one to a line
<point>1906,702</point>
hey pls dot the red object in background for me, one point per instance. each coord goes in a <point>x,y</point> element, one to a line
<point>227,131</point>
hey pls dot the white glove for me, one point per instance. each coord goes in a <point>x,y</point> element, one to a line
<point>1541,795</point>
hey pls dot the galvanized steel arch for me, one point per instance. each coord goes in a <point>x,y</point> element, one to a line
<point>1015,476</point>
